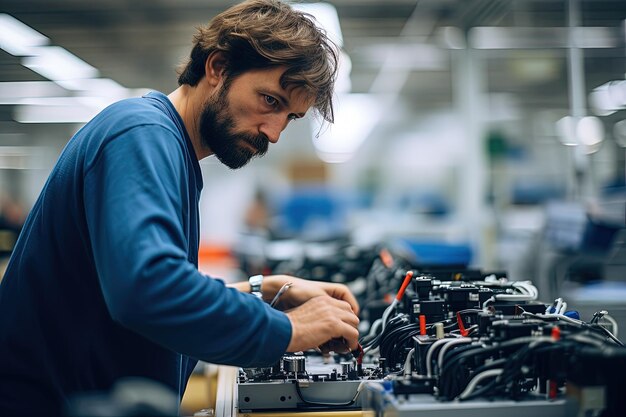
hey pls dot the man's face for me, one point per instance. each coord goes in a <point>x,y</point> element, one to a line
<point>240,120</point>
<point>217,131</point>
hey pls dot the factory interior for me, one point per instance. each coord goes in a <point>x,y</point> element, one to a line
<point>478,145</point>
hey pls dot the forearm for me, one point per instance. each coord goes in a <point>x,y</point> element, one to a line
<point>195,315</point>
<point>242,286</point>
<point>271,285</point>
<point>301,291</point>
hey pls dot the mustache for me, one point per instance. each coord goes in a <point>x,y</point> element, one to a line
<point>260,142</point>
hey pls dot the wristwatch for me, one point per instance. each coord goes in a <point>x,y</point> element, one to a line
<point>255,285</point>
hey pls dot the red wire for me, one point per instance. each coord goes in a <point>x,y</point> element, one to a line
<point>405,284</point>
<point>422,325</point>
<point>359,360</point>
<point>462,329</point>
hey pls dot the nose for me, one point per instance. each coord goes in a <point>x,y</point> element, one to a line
<point>273,126</point>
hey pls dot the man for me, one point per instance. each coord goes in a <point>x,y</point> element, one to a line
<point>103,283</point>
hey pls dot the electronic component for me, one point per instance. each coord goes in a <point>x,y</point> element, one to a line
<point>452,342</point>
<point>300,382</point>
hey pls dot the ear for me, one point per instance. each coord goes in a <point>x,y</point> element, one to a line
<point>214,67</point>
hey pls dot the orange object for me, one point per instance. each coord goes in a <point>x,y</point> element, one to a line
<point>462,328</point>
<point>407,279</point>
<point>422,325</point>
<point>553,389</point>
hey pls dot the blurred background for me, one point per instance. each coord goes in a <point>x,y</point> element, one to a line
<point>487,133</point>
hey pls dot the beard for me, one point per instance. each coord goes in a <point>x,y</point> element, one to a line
<point>217,132</point>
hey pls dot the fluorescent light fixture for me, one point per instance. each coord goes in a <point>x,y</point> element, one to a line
<point>48,102</point>
<point>58,64</point>
<point>55,114</point>
<point>566,129</point>
<point>546,37</point>
<point>23,157</point>
<point>590,131</point>
<point>586,131</point>
<point>343,84</point>
<point>601,102</point>
<point>608,98</point>
<point>356,116</point>
<point>326,17</point>
<point>451,37</point>
<point>11,92</point>
<point>408,56</point>
<point>97,102</point>
<point>103,87</point>
<point>17,38</point>
<point>619,133</point>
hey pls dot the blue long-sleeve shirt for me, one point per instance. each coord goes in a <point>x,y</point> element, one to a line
<point>103,281</point>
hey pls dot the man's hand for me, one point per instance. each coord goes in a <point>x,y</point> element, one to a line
<point>322,314</point>
<point>323,321</point>
<point>302,290</point>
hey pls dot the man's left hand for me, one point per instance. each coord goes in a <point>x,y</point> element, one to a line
<point>303,290</point>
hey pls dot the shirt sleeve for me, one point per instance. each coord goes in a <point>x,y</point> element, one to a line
<point>134,212</point>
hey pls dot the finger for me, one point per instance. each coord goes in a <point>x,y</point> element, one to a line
<point>349,317</point>
<point>325,348</point>
<point>341,310</point>
<point>335,345</point>
<point>341,292</point>
<point>346,343</point>
<point>344,305</point>
<point>351,337</point>
<point>347,334</point>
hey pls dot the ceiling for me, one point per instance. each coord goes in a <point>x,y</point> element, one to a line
<point>139,43</point>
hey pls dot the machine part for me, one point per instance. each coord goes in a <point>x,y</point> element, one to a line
<point>294,363</point>
<point>325,386</point>
<point>384,403</point>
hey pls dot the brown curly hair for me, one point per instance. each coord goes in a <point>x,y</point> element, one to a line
<point>259,34</point>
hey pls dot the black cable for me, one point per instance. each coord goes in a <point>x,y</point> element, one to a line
<point>607,333</point>
<point>391,324</point>
<point>582,324</point>
<point>485,389</point>
<point>485,367</point>
<point>450,378</point>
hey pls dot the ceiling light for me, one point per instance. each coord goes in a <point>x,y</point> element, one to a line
<point>619,133</point>
<point>326,16</point>
<point>55,114</point>
<point>542,37</point>
<point>17,38</point>
<point>451,37</point>
<point>590,131</point>
<point>13,91</point>
<point>94,86</point>
<point>586,131</point>
<point>23,157</point>
<point>58,64</point>
<point>356,116</point>
<point>566,129</point>
<point>608,98</point>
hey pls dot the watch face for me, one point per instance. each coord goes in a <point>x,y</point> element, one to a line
<point>256,280</point>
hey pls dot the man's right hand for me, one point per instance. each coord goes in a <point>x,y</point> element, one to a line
<point>320,320</point>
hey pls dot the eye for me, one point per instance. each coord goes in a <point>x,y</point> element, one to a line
<point>269,100</point>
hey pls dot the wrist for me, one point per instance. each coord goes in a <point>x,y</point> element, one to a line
<point>256,285</point>
<point>271,285</point>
